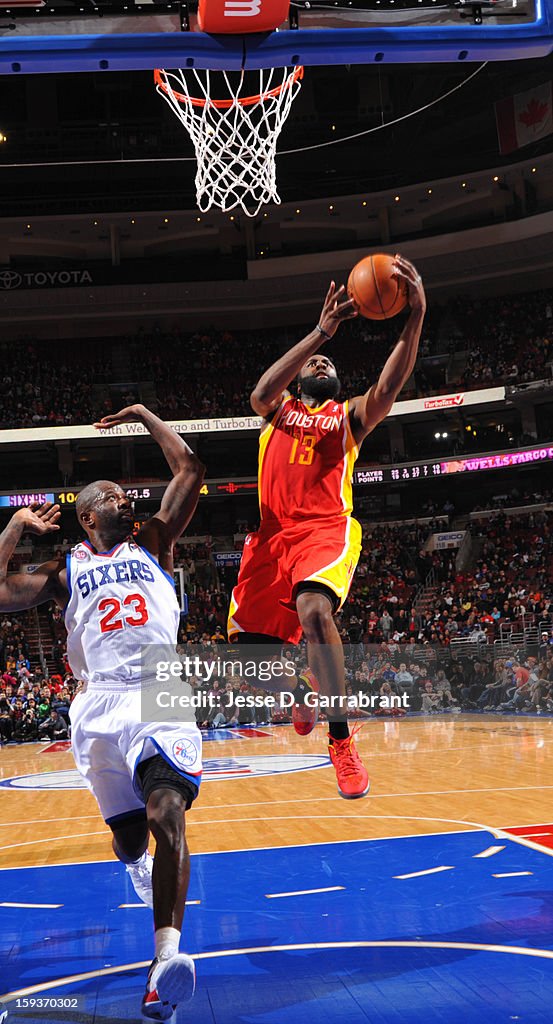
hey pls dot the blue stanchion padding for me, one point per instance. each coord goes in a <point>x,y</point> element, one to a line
<point>403,44</point>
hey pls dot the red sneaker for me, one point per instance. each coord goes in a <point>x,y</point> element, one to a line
<point>304,718</point>
<point>351,774</point>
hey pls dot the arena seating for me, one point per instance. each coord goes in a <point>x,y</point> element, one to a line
<point>211,373</point>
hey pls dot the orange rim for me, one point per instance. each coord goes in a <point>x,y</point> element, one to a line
<point>247,101</point>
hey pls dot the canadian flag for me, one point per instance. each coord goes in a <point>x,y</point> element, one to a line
<point>523,118</point>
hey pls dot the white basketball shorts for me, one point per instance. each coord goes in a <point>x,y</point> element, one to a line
<point>109,741</point>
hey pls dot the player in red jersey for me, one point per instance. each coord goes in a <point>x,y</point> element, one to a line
<point>297,569</point>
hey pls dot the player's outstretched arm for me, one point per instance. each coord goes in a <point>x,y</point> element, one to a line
<point>371,408</point>
<point>268,391</point>
<point>181,497</point>
<point>25,590</point>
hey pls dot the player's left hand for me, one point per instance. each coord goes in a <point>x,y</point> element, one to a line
<point>337,307</point>
<point>131,414</point>
<point>405,270</point>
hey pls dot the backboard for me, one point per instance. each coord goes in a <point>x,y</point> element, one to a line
<point>116,35</point>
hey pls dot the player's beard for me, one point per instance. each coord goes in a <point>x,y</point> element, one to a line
<point>319,387</point>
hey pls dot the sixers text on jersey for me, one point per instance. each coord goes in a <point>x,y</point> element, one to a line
<point>115,572</point>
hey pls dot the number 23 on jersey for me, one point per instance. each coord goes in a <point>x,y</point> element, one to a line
<point>132,611</point>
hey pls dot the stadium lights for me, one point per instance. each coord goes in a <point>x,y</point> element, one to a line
<point>3,138</point>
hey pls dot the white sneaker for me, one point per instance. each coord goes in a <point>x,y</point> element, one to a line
<point>140,872</point>
<point>171,980</point>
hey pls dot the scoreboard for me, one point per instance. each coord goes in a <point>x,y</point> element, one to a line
<point>365,477</point>
<point>138,492</point>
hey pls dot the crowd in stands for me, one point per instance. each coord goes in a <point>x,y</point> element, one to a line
<point>506,340</point>
<point>515,498</point>
<point>207,374</point>
<point>212,372</point>
<point>32,706</point>
<point>401,637</point>
<point>495,352</point>
<point>417,681</point>
<point>43,385</point>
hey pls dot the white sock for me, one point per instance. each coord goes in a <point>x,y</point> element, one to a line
<point>167,942</point>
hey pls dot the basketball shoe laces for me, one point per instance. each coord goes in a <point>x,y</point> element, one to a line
<point>346,755</point>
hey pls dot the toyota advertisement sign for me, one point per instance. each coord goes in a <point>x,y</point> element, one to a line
<point>10,280</point>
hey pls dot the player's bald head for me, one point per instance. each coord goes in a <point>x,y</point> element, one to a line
<point>105,513</point>
<point>91,495</point>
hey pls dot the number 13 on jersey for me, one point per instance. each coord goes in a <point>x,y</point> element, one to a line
<point>304,448</point>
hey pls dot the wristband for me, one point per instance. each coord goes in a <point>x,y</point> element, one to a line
<point>324,333</point>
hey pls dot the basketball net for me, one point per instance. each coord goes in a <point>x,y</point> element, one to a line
<point>234,137</point>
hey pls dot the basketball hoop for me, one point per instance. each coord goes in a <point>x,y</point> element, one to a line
<point>235,137</point>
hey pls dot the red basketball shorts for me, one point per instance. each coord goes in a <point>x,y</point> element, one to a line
<point>280,556</point>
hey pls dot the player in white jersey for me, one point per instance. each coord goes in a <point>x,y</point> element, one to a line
<point>118,595</point>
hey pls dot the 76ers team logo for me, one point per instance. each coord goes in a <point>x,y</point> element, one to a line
<point>217,769</point>
<point>81,555</point>
<point>185,752</point>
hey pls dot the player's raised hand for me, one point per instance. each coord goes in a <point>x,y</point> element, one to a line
<point>39,519</point>
<point>337,307</point>
<point>131,414</point>
<point>405,270</point>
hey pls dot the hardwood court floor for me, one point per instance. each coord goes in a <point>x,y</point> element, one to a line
<point>428,902</point>
<point>428,775</point>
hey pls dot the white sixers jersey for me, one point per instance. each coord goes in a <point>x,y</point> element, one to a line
<point>118,602</point>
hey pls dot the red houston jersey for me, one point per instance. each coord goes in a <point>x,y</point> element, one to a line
<point>306,460</point>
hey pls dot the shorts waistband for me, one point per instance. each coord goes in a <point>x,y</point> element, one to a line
<point>113,686</point>
<point>302,520</point>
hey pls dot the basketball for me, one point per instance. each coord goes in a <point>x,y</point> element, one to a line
<point>377,294</point>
